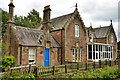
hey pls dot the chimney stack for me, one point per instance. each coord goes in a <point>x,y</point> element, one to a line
<point>11,11</point>
<point>46,15</point>
<point>46,18</point>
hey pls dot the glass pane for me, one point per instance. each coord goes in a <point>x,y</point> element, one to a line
<point>73,51</point>
<point>103,55</point>
<point>99,48</point>
<point>31,57</point>
<point>99,55</point>
<point>96,47</point>
<point>93,55</point>
<point>90,55</point>
<point>89,47</point>
<point>111,54</point>
<point>96,55</point>
<point>93,47</point>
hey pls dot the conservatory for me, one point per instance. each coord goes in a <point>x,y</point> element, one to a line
<point>99,51</point>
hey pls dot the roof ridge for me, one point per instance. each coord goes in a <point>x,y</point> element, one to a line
<point>25,27</point>
<point>62,15</point>
<point>100,27</point>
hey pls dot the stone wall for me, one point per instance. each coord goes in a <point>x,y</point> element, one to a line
<point>72,41</point>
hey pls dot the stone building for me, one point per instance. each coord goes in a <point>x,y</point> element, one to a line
<point>59,40</point>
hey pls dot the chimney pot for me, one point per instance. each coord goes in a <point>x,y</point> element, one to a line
<point>47,7</point>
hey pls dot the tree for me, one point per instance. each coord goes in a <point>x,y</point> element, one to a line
<point>4,21</point>
<point>31,20</point>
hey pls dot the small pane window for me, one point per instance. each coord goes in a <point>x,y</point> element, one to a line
<point>32,53</point>
<point>76,53</point>
<point>91,38</point>
<point>76,31</point>
<point>112,38</point>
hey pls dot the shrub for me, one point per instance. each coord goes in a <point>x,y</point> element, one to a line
<point>7,61</point>
<point>106,72</point>
<point>14,75</point>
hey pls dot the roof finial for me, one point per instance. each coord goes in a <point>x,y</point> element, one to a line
<point>76,5</point>
<point>111,22</point>
<point>90,24</point>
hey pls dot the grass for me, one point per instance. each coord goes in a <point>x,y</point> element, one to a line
<point>106,72</point>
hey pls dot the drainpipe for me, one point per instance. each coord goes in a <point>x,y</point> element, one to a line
<point>61,46</point>
<point>20,54</point>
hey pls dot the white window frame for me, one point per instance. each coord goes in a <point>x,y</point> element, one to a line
<point>33,51</point>
<point>80,54</point>
<point>73,54</point>
<point>76,30</point>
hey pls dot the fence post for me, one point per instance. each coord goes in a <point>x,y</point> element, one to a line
<point>65,68</point>
<point>118,59</point>
<point>78,66</point>
<point>115,62</point>
<point>99,63</point>
<point>53,70</point>
<point>29,71</point>
<point>36,71</point>
<point>110,63</point>
<point>9,72</point>
<point>93,64</point>
<point>86,66</point>
<point>106,62</point>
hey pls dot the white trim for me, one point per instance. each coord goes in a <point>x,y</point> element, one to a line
<point>92,52</point>
<point>87,52</point>
<point>106,49</point>
<point>80,54</point>
<point>99,44</point>
<point>74,54</point>
<point>77,51</point>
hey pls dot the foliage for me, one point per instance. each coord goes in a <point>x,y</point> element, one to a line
<point>4,21</point>
<point>31,20</point>
<point>15,75</point>
<point>4,47</point>
<point>106,72</point>
<point>7,61</point>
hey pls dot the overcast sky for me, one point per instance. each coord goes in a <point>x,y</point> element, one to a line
<point>97,12</point>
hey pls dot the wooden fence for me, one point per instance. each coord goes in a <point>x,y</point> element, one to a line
<point>61,68</point>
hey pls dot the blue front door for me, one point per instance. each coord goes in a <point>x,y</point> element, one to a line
<point>46,57</point>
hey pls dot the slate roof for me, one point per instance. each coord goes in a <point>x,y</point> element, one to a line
<point>30,37</point>
<point>58,22</point>
<point>101,32</point>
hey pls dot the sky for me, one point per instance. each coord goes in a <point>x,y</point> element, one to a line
<point>96,12</point>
